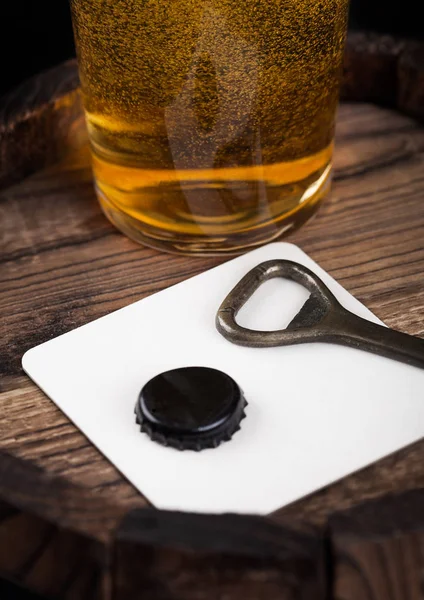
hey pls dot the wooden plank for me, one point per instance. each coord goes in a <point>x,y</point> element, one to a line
<point>378,549</point>
<point>178,556</point>
<point>32,429</point>
<point>54,536</point>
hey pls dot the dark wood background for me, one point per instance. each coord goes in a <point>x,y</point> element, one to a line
<point>70,525</point>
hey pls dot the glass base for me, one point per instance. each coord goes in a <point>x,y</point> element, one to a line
<point>229,234</point>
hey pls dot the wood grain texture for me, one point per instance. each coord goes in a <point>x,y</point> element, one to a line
<point>55,537</point>
<point>378,549</point>
<point>197,557</point>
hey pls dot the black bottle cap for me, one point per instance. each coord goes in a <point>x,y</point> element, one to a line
<point>191,408</point>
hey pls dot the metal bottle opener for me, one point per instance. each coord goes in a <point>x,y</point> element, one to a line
<point>321,319</point>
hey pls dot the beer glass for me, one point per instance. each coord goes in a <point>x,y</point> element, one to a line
<point>211,122</point>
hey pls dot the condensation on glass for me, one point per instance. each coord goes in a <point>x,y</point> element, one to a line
<point>211,121</point>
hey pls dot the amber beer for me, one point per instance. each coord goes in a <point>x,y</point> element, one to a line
<point>211,121</point>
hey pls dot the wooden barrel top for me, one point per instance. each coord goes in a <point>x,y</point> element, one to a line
<point>63,265</point>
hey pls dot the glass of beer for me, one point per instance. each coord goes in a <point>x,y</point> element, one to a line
<point>211,122</point>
